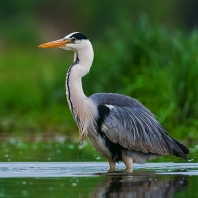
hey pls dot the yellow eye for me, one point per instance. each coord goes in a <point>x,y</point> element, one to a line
<point>73,40</point>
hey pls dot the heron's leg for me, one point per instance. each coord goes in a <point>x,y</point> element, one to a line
<point>112,165</point>
<point>128,161</point>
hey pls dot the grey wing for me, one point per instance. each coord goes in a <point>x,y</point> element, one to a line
<point>134,127</point>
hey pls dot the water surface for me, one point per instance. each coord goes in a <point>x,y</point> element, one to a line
<point>84,179</point>
<point>46,166</point>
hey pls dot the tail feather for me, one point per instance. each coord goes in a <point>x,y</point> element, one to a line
<point>183,147</point>
<point>175,147</point>
<point>180,150</point>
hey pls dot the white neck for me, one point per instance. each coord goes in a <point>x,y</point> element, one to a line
<point>82,108</point>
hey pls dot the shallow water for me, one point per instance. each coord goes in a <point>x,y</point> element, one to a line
<point>82,169</point>
<point>46,166</point>
<point>60,179</point>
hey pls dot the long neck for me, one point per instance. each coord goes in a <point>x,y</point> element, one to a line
<point>79,104</point>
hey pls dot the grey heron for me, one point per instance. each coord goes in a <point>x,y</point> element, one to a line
<point>119,127</point>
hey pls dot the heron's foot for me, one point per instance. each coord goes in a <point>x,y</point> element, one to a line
<point>112,165</point>
<point>128,170</point>
<point>111,170</point>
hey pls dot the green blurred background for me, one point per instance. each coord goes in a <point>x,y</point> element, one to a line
<point>144,49</point>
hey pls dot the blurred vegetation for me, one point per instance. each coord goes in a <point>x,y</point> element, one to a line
<point>144,56</point>
<point>156,65</point>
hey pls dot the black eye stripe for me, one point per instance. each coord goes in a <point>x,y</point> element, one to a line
<point>78,36</point>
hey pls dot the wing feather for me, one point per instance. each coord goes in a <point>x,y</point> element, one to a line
<point>134,127</point>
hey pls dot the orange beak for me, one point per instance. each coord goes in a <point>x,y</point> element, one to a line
<point>57,43</point>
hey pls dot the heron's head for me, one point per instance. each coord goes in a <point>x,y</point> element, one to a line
<point>73,41</point>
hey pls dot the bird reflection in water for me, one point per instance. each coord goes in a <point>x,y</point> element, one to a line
<point>139,187</point>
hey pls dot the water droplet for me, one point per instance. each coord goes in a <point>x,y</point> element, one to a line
<point>58,151</point>
<point>74,184</point>
<point>71,146</point>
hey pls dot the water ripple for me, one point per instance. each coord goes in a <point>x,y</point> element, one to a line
<point>71,169</point>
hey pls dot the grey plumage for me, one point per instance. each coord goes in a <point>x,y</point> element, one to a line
<point>135,128</point>
<point>119,127</point>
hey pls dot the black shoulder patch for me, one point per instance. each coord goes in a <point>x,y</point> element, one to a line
<point>114,148</point>
<point>103,112</point>
<point>79,36</point>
